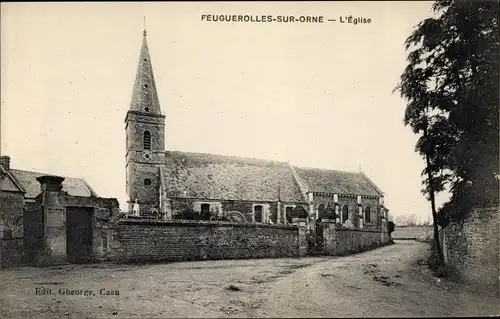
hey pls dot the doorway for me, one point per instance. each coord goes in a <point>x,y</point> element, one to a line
<point>79,234</point>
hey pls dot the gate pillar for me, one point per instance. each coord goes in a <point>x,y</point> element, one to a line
<point>329,236</point>
<point>53,246</point>
<point>302,229</point>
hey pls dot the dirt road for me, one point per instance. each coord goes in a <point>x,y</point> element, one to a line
<point>386,282</point>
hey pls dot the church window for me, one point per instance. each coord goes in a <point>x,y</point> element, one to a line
<point>257,213</point>
<point>147,182</point>
<point>147,140</point>
<point>368,215</point>
<point>321,211</point>
<point>345,213</point>
<point>289,214</point>
<point>205,211</point>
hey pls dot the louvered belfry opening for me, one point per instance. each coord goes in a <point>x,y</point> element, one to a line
<point>147,140</point>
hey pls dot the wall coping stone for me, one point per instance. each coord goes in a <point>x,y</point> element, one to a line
<point>360,230</point>
<point>200,223</point>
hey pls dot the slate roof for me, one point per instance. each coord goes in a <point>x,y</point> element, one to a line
<point>210,176</point>
<point>337,182</point>
<point>73,186</point>
<point>8,183</point>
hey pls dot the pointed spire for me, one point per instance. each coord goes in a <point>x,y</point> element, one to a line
<point>145,96</point>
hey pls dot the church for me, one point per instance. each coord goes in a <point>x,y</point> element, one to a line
<point>247,190</point>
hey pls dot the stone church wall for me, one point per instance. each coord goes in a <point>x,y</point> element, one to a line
<point>243,207</point>
<point>148,240</point>
<point>146,194</point>
<point>352,203</point>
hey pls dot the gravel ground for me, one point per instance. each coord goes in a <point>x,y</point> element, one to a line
<point>387,282</point>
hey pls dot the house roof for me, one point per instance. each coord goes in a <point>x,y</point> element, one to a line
<point>8,183</point>
<point>337,182</point>
<point>73,186</point>
<point>210,176</point>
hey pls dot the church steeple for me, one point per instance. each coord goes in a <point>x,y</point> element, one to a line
<point>145,137</point>
<point>144,96</point>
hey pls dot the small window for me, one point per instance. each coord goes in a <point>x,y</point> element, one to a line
<point>147,182</point>
<point>146,109</point>
<point>145,86</point>
<point>147,140</point>
<point>289,214</point>
<point>368,215</point>
<point>257,211</point>
<point>205,211</point>
<point>345,213</point>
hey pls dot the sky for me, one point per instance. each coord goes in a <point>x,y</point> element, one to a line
<point>314,94</point>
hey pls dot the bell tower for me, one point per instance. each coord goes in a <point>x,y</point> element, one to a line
<point>145,137</point>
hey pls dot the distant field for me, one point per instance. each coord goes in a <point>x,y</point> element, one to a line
<point>413,232</point>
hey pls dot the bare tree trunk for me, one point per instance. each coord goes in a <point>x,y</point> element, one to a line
<point>440,257</point>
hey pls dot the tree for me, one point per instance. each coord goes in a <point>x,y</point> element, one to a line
<point>412,220</point>
<point>451,88</point>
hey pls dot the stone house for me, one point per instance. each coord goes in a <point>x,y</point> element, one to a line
<point>46,219</point>
<point>19,189</point>
<point>244,189</point>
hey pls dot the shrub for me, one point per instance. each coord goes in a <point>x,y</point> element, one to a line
<point>390,227</point>
<point>187,214</point>
<point>192,215</point>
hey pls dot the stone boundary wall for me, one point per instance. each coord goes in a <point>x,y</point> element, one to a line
<point>11,252</point>
<point>412,232</point>
<point>155,240</point>
<point>342,241</point>
<point>149,240</point>
<point>472,246</point>
<point>355,240</point>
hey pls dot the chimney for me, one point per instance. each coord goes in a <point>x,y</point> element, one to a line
<point>5,162</point>
<point>50,183</point>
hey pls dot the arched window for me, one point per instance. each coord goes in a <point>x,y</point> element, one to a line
<point>345,213</point>
<point>289,214</point>
<point>321,211</point>
<point>330,212</point>
<point>147,140</point>
<point>368,215</point>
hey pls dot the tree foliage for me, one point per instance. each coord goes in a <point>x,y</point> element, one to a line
<point>452,93</point>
